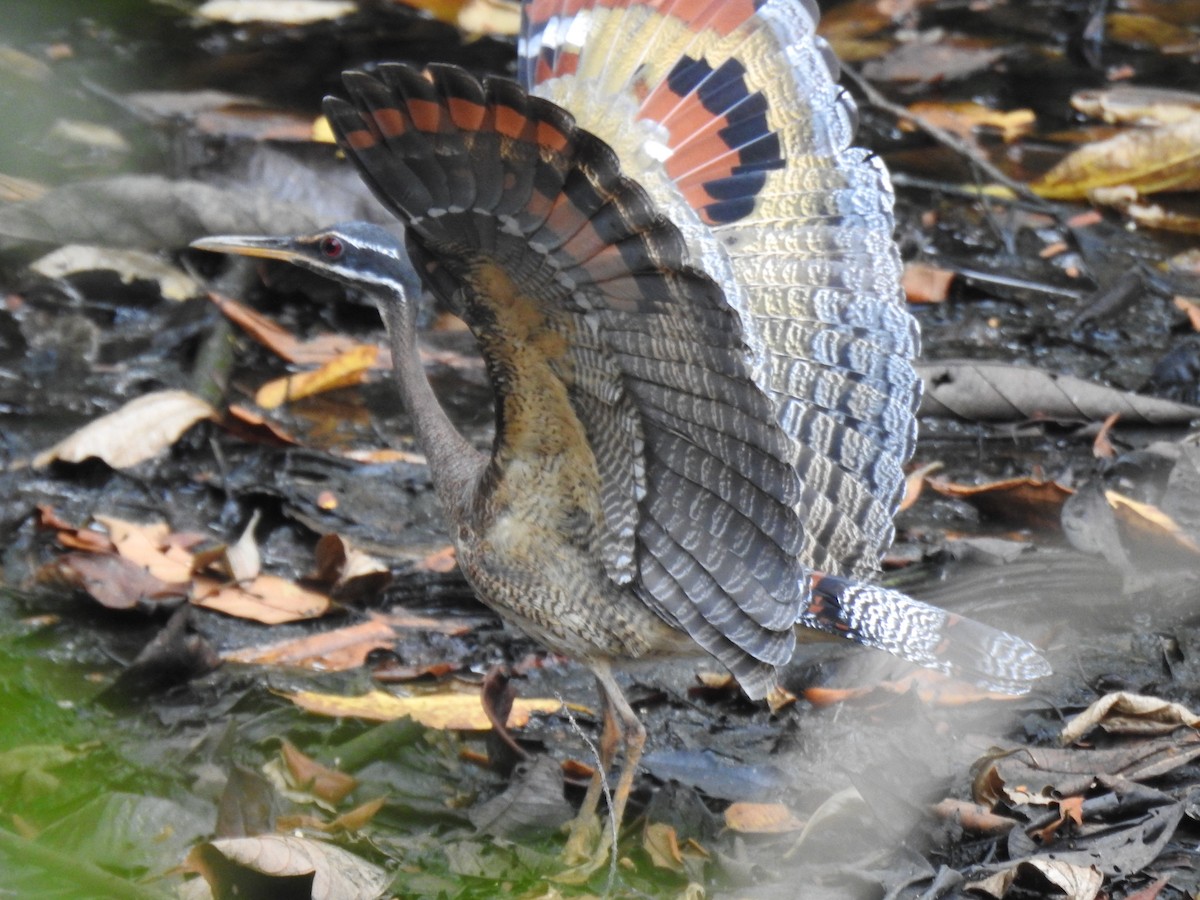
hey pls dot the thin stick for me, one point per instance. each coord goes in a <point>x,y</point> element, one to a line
<point>948,138</point>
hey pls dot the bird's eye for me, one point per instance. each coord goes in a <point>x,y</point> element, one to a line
<point>331,247</point>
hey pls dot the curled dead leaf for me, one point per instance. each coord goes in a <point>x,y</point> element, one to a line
<point>138,431</point>
<point>1152,160</point>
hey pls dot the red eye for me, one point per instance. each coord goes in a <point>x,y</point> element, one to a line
<point>331,247</point>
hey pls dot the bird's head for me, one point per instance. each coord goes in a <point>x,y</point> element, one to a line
<point>359,254</point>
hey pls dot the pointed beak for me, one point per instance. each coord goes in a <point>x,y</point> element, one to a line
<point>265,247</point>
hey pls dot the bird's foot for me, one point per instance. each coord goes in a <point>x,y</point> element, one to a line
<point>588,849</point>
<point>586,836</point>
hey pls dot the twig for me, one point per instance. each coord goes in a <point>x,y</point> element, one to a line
<point>948,138</point>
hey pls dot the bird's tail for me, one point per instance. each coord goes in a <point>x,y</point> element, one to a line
<point>889,620</point>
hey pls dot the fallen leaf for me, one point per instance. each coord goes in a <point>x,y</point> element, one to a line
<point>455,711</point>
<point>112,581</point>
<point>1022,502</point>
<point>1152,160</point>
<point>129,265</point>
<point>965,117</point>
<point>1151,32</point>
<point>1077,882</point>
<point>1125,713</point>
<point>346,369</point>
<point>281,12</point>
<point>1000,392</point>
<point>310,776</point>
<point>1129,104</point>
<point>236,867</point>
<point>1147,523</point>
<point>315,351</point>
<point>343,648</point>
<point>138,431</point>
<point>1191,308</point>
<point>662,846</point>
<point>268,599</point>
<point>926,284</point>
<point>975,817</point>
<point>761,818</point>
<point>147,546</point>
<point>347,569</point>
<point>1164,218</point>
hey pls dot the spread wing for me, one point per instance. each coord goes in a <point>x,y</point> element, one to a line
<point>728,114</point>
<point>697,483</point>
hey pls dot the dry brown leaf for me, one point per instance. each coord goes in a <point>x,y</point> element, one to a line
<point>340,564</point>
<point>1191,308</point>
<point>1024,502</point>
<point>239,561</point>
<point>443,560</point>
<point>385,455</point>
<point>761,818</point>
<point>1126,713</point>
<point>358,818</point>
<point>1102,447</point>
<point>313,352</point>
<point>309,775</point>
<point>1152,160</point>
<point>1001,392</point>
<point>779,698</point>
<point>974,817</point>
<point>662,846</point>
<point>268,599</point>
<point>1076,882</point>
<point>345,370</point>
<point>965,117</point>
<point>455,711</point>
<point>914,483</point>
<point>111,580</point>
<point>138,431</point>
<point>230,865</point>
<point>332,651</point>
<point>1146,522</point>
<point>253,427</point>
<point>148,547</point>
<point>926,284</point>
<point>933,688</point>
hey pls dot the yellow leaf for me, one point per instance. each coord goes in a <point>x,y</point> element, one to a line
<point>448,711</point>
<point>346,369</point>
<point>1151,160</point>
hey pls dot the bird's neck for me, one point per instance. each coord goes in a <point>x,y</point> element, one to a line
<point>454,465</point>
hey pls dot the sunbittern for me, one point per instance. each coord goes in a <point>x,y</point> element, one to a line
<point>703,385</point>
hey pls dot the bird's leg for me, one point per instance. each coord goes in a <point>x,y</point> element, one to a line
<point>584,827</point>
<point>634,733</point>
<point>620,724</point>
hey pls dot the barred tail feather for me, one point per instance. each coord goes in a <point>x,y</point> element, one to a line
<point>925,635</point>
